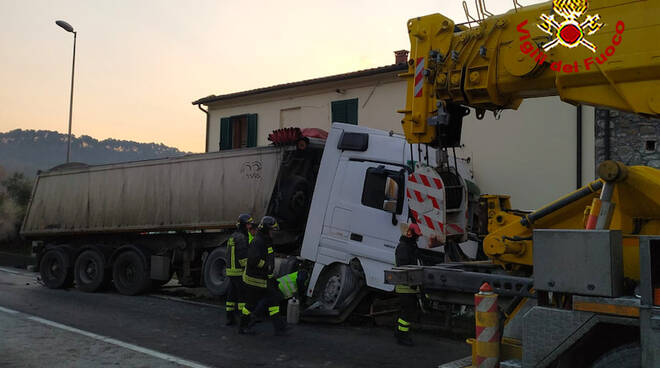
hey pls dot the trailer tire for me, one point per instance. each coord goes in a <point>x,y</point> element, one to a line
<point>625,356</point>
<point>215,274</point>
<point>129,273</point>
<point>90,271</point>
<point>54,269</point>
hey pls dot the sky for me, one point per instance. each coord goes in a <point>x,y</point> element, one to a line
<point>140,64</point>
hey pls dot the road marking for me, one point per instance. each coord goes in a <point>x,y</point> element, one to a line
<point>10,271</point>
<point>10,311</point>
<point>181,300</point>
<point>110,340</point>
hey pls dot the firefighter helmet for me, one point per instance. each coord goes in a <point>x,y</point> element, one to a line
<point>268,223</point>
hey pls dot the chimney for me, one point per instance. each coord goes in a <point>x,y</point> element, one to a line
<point>400,56</point>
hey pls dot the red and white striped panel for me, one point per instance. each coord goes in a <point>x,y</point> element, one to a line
<point>453,229</point>
<point>419,76</point>
<point>426,200</point>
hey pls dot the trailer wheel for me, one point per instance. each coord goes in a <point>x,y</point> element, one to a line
<point>626,356</point>
<point>129,273</point>
<point>215,272</point>
<point>336,288</point>
<point>54,269</point>
<point>90,271</point>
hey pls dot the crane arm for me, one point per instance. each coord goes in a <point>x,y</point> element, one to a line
<point>604,54</point>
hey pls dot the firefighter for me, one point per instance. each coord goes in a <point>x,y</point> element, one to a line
<point>235,259</point>
<point>260,288</point>
<point>252,230</point>
<point>406,254</point>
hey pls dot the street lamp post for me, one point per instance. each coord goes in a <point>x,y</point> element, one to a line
<point>67,27</point>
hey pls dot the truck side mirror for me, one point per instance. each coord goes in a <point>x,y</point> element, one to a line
<point>390,204</point>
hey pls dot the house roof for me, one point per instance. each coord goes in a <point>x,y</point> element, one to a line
<point>333,78</point>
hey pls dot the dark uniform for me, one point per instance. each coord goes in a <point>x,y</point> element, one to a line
<point>261,289</point>
<point>236,259</point>
<point>406,254</point>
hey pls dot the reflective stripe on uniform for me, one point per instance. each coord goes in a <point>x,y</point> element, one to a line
<point>233,269</point>
<point>245,311</point>
<point>253,281</point>
<point>250,237</point>
<point>404,326</point>
<point>287,284</point>
<point>241,306</point>
<point>261,263</point>
<point>270,250</point>
<point>273,310</point>
<point>230,306</point>
<point>405,289</point>
<point>242,262</point>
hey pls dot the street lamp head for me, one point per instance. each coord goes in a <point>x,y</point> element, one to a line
<point>67,27</point>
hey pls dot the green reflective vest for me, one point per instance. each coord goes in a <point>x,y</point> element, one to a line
<point>288,284</point>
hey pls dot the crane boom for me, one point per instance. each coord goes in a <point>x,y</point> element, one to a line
<point>604,53</point>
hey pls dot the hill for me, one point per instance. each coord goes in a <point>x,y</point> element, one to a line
<point>27,151</point>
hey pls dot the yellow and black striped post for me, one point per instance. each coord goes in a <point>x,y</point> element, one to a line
<point>487,334</point>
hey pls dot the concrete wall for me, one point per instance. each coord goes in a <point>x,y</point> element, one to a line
<point>529,154</point>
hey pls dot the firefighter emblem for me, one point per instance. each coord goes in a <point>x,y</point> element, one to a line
<point>569,32</point>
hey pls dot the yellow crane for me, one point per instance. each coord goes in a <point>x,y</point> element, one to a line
<point>603,53</point>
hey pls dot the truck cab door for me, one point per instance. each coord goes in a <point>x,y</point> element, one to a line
<point>369,208</point>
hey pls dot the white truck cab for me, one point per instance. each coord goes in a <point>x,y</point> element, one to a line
<point>358,205</point>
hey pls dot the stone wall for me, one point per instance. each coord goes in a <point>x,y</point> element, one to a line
<point>633,138</point>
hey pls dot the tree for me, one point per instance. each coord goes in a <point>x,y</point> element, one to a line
<point>19,189</point>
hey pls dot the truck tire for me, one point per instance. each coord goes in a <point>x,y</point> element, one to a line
<point>90,271</point>
<point>129,273</point>
<point>336,287</point>
<point>215,274</point>
<point>54,269</point>
<point>625,356</point>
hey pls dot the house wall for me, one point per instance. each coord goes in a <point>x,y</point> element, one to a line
<point>378,101</point>
<point>529,154</point>
<point>633,139</point>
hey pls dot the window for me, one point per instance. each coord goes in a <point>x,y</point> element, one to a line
<point>345,111</point>
<point>650,146</point>
<point>378,188</point>
<point>238,131</point>
<point>290,117</point>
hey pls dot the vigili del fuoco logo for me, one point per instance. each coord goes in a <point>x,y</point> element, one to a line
<point>569,26</point>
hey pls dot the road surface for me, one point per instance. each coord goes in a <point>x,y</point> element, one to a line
<point>68,328</point>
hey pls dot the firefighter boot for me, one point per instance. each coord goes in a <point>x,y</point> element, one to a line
<point>231,318</point>
<point>245,325</point>
<point>280,326</point>
<point>403,338</point>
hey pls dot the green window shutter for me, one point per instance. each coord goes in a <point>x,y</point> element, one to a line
<point>225,134</point>
<point>352,111</point>
<point>338,111</point>
<point>345,111</point>
<point>252,130</point>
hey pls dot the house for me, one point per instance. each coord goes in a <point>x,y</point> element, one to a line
<point>536,154</point>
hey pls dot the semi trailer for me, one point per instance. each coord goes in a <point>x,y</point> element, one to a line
<point>339,203</point>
